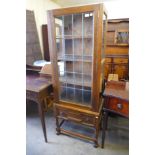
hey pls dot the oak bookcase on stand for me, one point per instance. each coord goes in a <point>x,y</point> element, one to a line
<point>77,60</point>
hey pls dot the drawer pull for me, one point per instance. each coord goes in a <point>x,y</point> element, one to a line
<point>119,106</point>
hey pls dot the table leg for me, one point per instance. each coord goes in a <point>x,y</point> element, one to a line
<point>104,121</point>
<point>42,118</point>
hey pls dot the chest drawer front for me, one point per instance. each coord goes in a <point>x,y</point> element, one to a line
<point>118,105</point>
<point>119,60</point>
<point>88,119</point>
<point>70,115</point>
<point>77,116</point>
<point>107,60</point>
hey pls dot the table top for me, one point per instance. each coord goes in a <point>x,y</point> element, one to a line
<point>117,89</point>
<point>36,83</point>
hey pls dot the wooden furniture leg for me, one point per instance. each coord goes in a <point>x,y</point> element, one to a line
<point>96,134</point>
<point>42,117</point>
<point>105,118</point>
<point>58,126</point>
<point>57,122</point>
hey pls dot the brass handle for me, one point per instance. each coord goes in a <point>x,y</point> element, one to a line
<point>119,106</point>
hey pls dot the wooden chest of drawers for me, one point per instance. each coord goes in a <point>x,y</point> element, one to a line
<point>117,105</point>
<point>116,100</point>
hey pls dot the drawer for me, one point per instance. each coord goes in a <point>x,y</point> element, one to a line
<point>88,119</point>
<point>107,60</point>
<point>77,116</point>
<point>70,115</point>
<point>119,60</point>
<point>117,105</point>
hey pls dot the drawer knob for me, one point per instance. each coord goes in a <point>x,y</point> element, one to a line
<point>119,106</point>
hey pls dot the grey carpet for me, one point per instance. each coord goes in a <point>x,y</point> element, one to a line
<point>116,142</point>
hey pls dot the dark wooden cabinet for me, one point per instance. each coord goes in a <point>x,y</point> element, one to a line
<point>117,49</point>
<point>117,105</point>
<point>75,43</point>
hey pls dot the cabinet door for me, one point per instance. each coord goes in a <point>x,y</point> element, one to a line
<point>74,48</point>
<point>76,55</point>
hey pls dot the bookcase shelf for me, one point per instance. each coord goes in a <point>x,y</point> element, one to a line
<point>84,58</point>
<point>74,37</point>
<point>76,79</point>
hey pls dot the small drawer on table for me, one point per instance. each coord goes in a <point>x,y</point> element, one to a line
<point>118,105</point>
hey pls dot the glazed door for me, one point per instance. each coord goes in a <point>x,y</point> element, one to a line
<point>74,48</point>
<point>75,42</point>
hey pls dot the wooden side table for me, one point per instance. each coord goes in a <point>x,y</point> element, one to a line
<point>116,100</point>
<point>37,89</point>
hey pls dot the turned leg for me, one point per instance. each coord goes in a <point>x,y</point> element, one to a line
<point>57,122</point>
<point>96,132</point>
<point>105,118</point>
<point>58,126</point>
<point>96,139</point>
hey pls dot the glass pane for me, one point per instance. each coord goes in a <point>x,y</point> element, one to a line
<point>77,24</point>
<point>87,96</point>
<point>70,92</point>
<point>69,66</point>
<point>61,68</point>
<point>68,47</point>
<point>78,94</point>
<point>87,68</point>
<point>68,25</point>
<point>78,79</point>
<point>59,25</point>
<point>69,77</point>
<point>62,91</point>
<point>59,48</point>
<point>78,47</point>
<point>78,67</point>
<point>75,56</point>
<point>87,47</point>
<point>87,80</point>
<point>88,23</point>
<point>122,37</point>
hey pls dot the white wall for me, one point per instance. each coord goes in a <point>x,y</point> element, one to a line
<point>40,7</point>
<point>117,8</point>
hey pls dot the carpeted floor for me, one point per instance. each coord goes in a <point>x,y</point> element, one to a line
<point>116,142</point>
